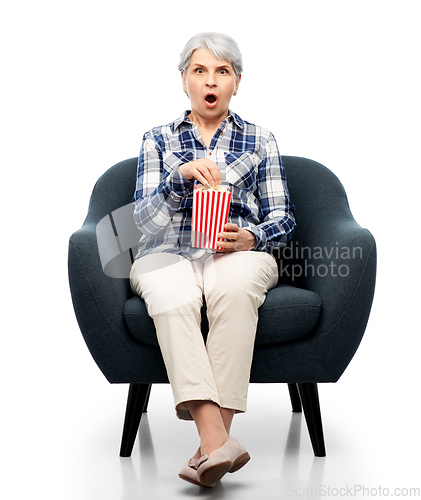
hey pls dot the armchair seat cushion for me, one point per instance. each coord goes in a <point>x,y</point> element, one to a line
<point>287,314</point>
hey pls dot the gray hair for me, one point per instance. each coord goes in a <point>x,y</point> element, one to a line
<point>223,46</point>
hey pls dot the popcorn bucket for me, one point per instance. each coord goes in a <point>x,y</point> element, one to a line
<point>210,213</point>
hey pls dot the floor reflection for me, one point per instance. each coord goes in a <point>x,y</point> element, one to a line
<point>135,486</point>
<point>297,476</point>
<point>297,484</point>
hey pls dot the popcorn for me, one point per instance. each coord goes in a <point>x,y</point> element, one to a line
<point>210,214</point>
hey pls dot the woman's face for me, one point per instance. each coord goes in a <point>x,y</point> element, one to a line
<point>210,83</point>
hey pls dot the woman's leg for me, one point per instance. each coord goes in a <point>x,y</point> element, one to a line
<point>235,286</point>
<point>172,289</point>
<point>227,416</point>
<point>210,426</point>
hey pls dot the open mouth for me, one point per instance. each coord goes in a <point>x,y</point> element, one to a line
<point>211,98</point>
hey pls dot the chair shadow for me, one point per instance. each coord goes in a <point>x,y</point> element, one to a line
<point>146,482</point>
<point>134,487</point>
<point>296,486</point>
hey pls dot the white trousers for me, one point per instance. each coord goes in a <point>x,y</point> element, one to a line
<point>234,286</point>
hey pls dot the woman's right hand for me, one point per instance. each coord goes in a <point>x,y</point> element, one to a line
<point>204,170</point>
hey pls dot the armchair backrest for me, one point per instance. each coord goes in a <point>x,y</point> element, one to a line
<point>316,192</point>
<point>113,190</point>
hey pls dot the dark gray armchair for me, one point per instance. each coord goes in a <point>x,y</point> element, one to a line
<point>310,325</point>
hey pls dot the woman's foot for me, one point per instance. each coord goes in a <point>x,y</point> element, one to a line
<point>230,457</point>
<point>189,473</point>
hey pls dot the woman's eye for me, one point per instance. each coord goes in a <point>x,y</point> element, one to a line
<point>199,70</point>
<point>224,72</point>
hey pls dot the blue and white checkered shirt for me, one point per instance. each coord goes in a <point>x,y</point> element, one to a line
<point>250,164</point>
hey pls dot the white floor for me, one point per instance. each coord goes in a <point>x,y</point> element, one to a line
<point>366,453</point>
<point>61,434</point>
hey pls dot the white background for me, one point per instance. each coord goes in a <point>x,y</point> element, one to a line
<point>335,81</point>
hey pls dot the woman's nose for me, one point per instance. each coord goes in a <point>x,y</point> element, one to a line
<point>211,81</point>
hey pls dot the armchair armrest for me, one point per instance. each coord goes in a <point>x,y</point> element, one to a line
<point>337,260</point>
<point>98,301</point>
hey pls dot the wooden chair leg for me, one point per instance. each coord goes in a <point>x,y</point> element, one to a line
<point>137,401</point>
<point>295,398</point>
<point>311,406</point>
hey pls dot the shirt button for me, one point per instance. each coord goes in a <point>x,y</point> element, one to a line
<point>220,133</point>
<point>210,153</point>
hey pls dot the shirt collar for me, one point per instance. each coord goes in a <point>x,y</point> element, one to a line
<point>236,118</point>
<point>184,118</point>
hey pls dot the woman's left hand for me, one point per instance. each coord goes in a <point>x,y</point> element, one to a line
<point>240,239</point>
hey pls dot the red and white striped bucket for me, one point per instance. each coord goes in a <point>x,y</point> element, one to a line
<point>210,214</point>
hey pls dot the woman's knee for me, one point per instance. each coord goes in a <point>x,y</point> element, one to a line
<point>167,282</point>
<point>243,277</point>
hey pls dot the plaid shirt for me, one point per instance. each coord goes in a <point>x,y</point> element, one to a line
<point>251,165</point>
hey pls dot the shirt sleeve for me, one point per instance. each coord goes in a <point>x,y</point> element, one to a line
<point>159,191</point>
<point>276,209</point>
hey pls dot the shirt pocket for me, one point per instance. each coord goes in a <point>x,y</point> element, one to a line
<point>173,160</point>
<point>242,169</point>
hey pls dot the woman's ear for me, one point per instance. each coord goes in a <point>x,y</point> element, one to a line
<point>237,84</point>
<point>184,83</point>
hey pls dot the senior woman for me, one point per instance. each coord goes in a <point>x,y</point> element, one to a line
<point>211,145</point>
